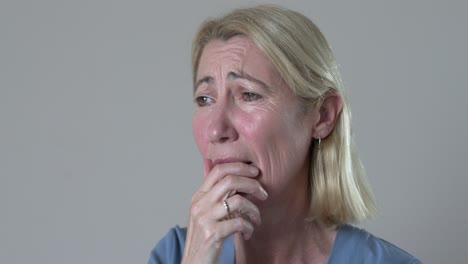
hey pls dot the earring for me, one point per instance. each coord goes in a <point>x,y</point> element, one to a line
<point>319,158</point>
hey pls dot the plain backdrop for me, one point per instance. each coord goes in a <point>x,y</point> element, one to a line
<point>97,159</point>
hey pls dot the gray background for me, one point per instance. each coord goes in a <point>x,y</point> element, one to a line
<point>97,159</point>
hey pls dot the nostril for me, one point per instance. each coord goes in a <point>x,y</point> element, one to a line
<point>223,139</point>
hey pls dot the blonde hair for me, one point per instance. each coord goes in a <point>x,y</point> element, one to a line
<point>339,190</point>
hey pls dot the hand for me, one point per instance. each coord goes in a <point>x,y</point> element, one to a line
<point>208,226</point>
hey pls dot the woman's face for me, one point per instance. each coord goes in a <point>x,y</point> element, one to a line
<point>245,112</point>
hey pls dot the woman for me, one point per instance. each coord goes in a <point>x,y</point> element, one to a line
<point>281,178</point>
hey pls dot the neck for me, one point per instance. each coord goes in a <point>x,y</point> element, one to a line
<point>285,235</point>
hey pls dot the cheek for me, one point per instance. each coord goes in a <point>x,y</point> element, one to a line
<point>260,132</point>
<point>253,125</point>
<point>279,134</point>
<point>200,133</point>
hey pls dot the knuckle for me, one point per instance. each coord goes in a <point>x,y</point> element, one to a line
<point>194,198</point>
<point>239,223</point>
<point>197,196</point>
<point>237,201</point>
<point>195,209</point>
<point>229,180</point>
<point>216,170</point>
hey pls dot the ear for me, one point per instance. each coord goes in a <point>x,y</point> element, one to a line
<point>329,110</point>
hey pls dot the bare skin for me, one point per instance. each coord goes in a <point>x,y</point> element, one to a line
<point>254,139</point>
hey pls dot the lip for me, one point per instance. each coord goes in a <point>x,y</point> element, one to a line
<point>230,160</point>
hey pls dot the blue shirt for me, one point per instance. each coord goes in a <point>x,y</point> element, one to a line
<point>352,245</point>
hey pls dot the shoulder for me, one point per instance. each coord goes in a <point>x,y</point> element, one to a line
<point>170,248</point>
<point>355,245</point>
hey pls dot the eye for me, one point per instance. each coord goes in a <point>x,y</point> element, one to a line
<point>251,97</point>
<point>203,100</point>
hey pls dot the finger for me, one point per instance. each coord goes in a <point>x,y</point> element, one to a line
<point>238,205</point>
<point>222,170</point>
<point>232,184</point>
<point>235,225</point>
<point>207,166</point>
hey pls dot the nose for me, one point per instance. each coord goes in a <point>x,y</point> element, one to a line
<point>221,128</point>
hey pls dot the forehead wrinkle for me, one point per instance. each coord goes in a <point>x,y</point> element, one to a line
<point>216,59</point>
<point>237,58</point>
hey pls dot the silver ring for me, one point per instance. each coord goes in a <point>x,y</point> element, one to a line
<point>226,205</point>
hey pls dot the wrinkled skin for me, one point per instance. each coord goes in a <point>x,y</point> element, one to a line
<point>254,139</point>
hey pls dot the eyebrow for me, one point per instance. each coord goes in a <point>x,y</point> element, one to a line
<point>233,75</point>
<point>206,79</point>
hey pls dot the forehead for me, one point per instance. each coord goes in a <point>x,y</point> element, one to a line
<point>239,54</point>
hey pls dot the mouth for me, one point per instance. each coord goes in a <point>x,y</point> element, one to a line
<point>231,160</point>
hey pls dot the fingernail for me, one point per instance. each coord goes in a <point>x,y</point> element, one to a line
<point>253,170</point>
<point>263,191</point>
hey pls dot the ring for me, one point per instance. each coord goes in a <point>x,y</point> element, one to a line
<point>228,210</point>
<point>226,205</point>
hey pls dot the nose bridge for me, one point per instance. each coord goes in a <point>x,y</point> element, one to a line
<point>221,126</point>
